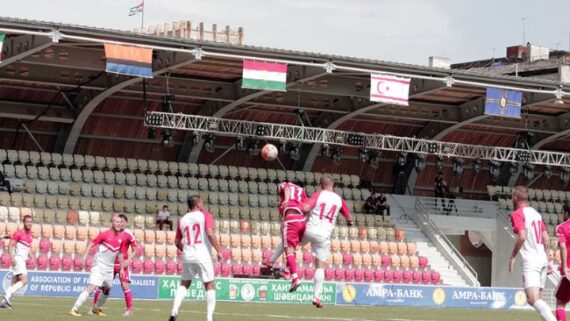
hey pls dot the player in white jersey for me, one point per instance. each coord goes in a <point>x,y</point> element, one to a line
<point>19,251</point>
<point>532,243</point>
<point>195,238</point>
<point>109,243</point>
<point>323,208</point>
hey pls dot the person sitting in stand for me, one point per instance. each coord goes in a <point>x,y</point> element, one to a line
<point>4,182</point>
<point>163,217</point>
<point>382,205</point>
<point>371,204</point>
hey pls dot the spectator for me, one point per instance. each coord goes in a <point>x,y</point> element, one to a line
<point>4,182</point>
<point>382,205</point>
<point>371,204</point>
<point>163,217</point>
<point>439,185</point>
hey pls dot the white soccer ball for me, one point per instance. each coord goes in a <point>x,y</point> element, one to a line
<point>269,152</point>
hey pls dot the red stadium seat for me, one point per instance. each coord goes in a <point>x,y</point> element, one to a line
<point>386,260</point>
<point>159,267</point>
<point>66,263</point>
<point>339,274</point>
<point>45,245</point>
<point>301,272</point>
<point>226,270</point>
<point>347,259</point>
<point>89,264</point>
<point>423,262</point>
<point>309,273</point>
<point>237,269</point>
<point>139,250</point>
<point>358,275</point>
<point>407,277</point>
<point>329,274</point>
<point>397,276</point>
<point>137,266</point>
<point>379,276</point>
<point>148,267</point>
<point>30,263</point>
<point>307,257</point>
<point>42,262</point>
<point>179,267</point>
<point>426,277</point>
<point>226,253</point>
<point>77,264</point>
<point>417,277</point>
<point>435,277</point>
<point>389,276</point>
<point>368,275</point>
<point>247,269</point>
<point>217,268</point>
<point>54,263</point>
<point>256,270</point>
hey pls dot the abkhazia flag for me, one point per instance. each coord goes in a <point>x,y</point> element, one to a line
<point>389,89</point>
<point>136,9</point>
<point>2,35</point>
<point>504,103</point>
<point>129,60</point>
<point>264,75</point>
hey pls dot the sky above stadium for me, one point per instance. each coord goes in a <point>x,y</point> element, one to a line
<point>394,30</point>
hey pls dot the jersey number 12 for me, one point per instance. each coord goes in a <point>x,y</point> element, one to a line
<point>197,234</point>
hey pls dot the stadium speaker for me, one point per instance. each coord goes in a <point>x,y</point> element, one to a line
<point>326,151</point>
<point>458,166</point>
<point>355,139</point>
<point>513,168</point>
<point>151,134</point>
<point>195,138</point>
<point>528,171</point>
<point>495,169</point>
<point>336,154</point>
<point>295,152</point>
<point>209,142</point>
<point>239,144</point>
<point>167,140</point>
<point>477,166</point>
<point>253,147</point>
<point>363,155</point>
<point>402,159</point>
<point>565,175</point>
<point>439,162</point>
<point>420,162</point>
<point>374,160</point>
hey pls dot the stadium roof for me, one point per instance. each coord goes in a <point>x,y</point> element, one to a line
<point>93,112</point>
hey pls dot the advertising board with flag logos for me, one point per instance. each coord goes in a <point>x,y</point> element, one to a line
<point>504,103</point>
<point>264,75</point>
<point>389,89</point>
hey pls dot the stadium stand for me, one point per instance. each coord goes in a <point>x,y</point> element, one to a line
<point>72,198</point>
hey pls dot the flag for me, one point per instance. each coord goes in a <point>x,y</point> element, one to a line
<point>129,60</point>
<point>264,75</point>
<point>2,35</point>
<point>505,103</point>
<point>136,9</point>
<point>389,89</point>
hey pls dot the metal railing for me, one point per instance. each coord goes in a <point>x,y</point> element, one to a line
<point>436,236</point>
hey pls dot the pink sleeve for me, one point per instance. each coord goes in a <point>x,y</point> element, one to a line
<point>560,234</point>
<point>344,210</point>
<point>209,220</point>
<point>312,202</point>
<point>304,196</point>
<point>17,236</point>
<point>133,241</point>
<point>517,219</point>
<point>542,226</point>
<point>178,232</point>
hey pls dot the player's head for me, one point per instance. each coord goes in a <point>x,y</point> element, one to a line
<point>520,196</point>
<point>125,221</point>
<point>165,207</point>
<point>566,210</point>
<point>195,203</point>
<point>298,183</point>
<point>117,223</point>
<point>28,222</point>
<point>327,182</point>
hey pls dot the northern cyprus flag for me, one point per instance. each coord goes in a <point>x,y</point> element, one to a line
<point>264,75</point>
<point>389,89</point>
<point>2,35</point>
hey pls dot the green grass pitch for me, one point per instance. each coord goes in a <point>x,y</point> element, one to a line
<point>55,309</point>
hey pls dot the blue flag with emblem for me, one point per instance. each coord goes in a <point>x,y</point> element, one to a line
<point>504,103</point>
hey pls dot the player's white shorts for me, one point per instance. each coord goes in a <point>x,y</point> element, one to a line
<point>101,276</point>
<point>204,271</point>
<point>320,245</point>
<point>534,278</point>
<point>19,268</point>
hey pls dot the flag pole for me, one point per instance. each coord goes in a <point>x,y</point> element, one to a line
<point>142,16</point>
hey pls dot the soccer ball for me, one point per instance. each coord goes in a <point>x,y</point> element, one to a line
<point>269,152</point>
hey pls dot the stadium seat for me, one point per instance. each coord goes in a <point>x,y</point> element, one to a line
<point>423,262</point>
<point>80,248</point>
<point>136,266</point>
<point>66,264</point>
<point>31,264</point>
<point>148,267</point>
<point>42,262</point>
<point>54,263</point>
<point>426,277</point>
<point>159,267</point>
<point>435,277</point>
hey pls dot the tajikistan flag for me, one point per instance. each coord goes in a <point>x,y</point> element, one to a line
<point>264,75</point>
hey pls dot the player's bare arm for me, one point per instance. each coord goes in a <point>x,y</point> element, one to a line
<point>564,259</point>
<point>87,250</point>
<point>214,241</point>
<point>546,243</point>
<point>521,238</point>
<point>11,251</point>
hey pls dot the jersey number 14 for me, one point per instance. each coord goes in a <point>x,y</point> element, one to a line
<point>328,215</point>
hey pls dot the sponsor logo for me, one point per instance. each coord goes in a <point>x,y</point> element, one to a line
<point>7,282</point>
<point>349,293</point>
<point>438,296</point>
<point>247,292</point>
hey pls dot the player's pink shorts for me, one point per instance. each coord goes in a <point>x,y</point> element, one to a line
<point>126,275</point>
<point>292,230</point>
<point>291,206</point>
<point>563,290</point>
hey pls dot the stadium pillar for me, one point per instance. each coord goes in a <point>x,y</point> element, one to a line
<point>298,74</point>
<point>88,100</point>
